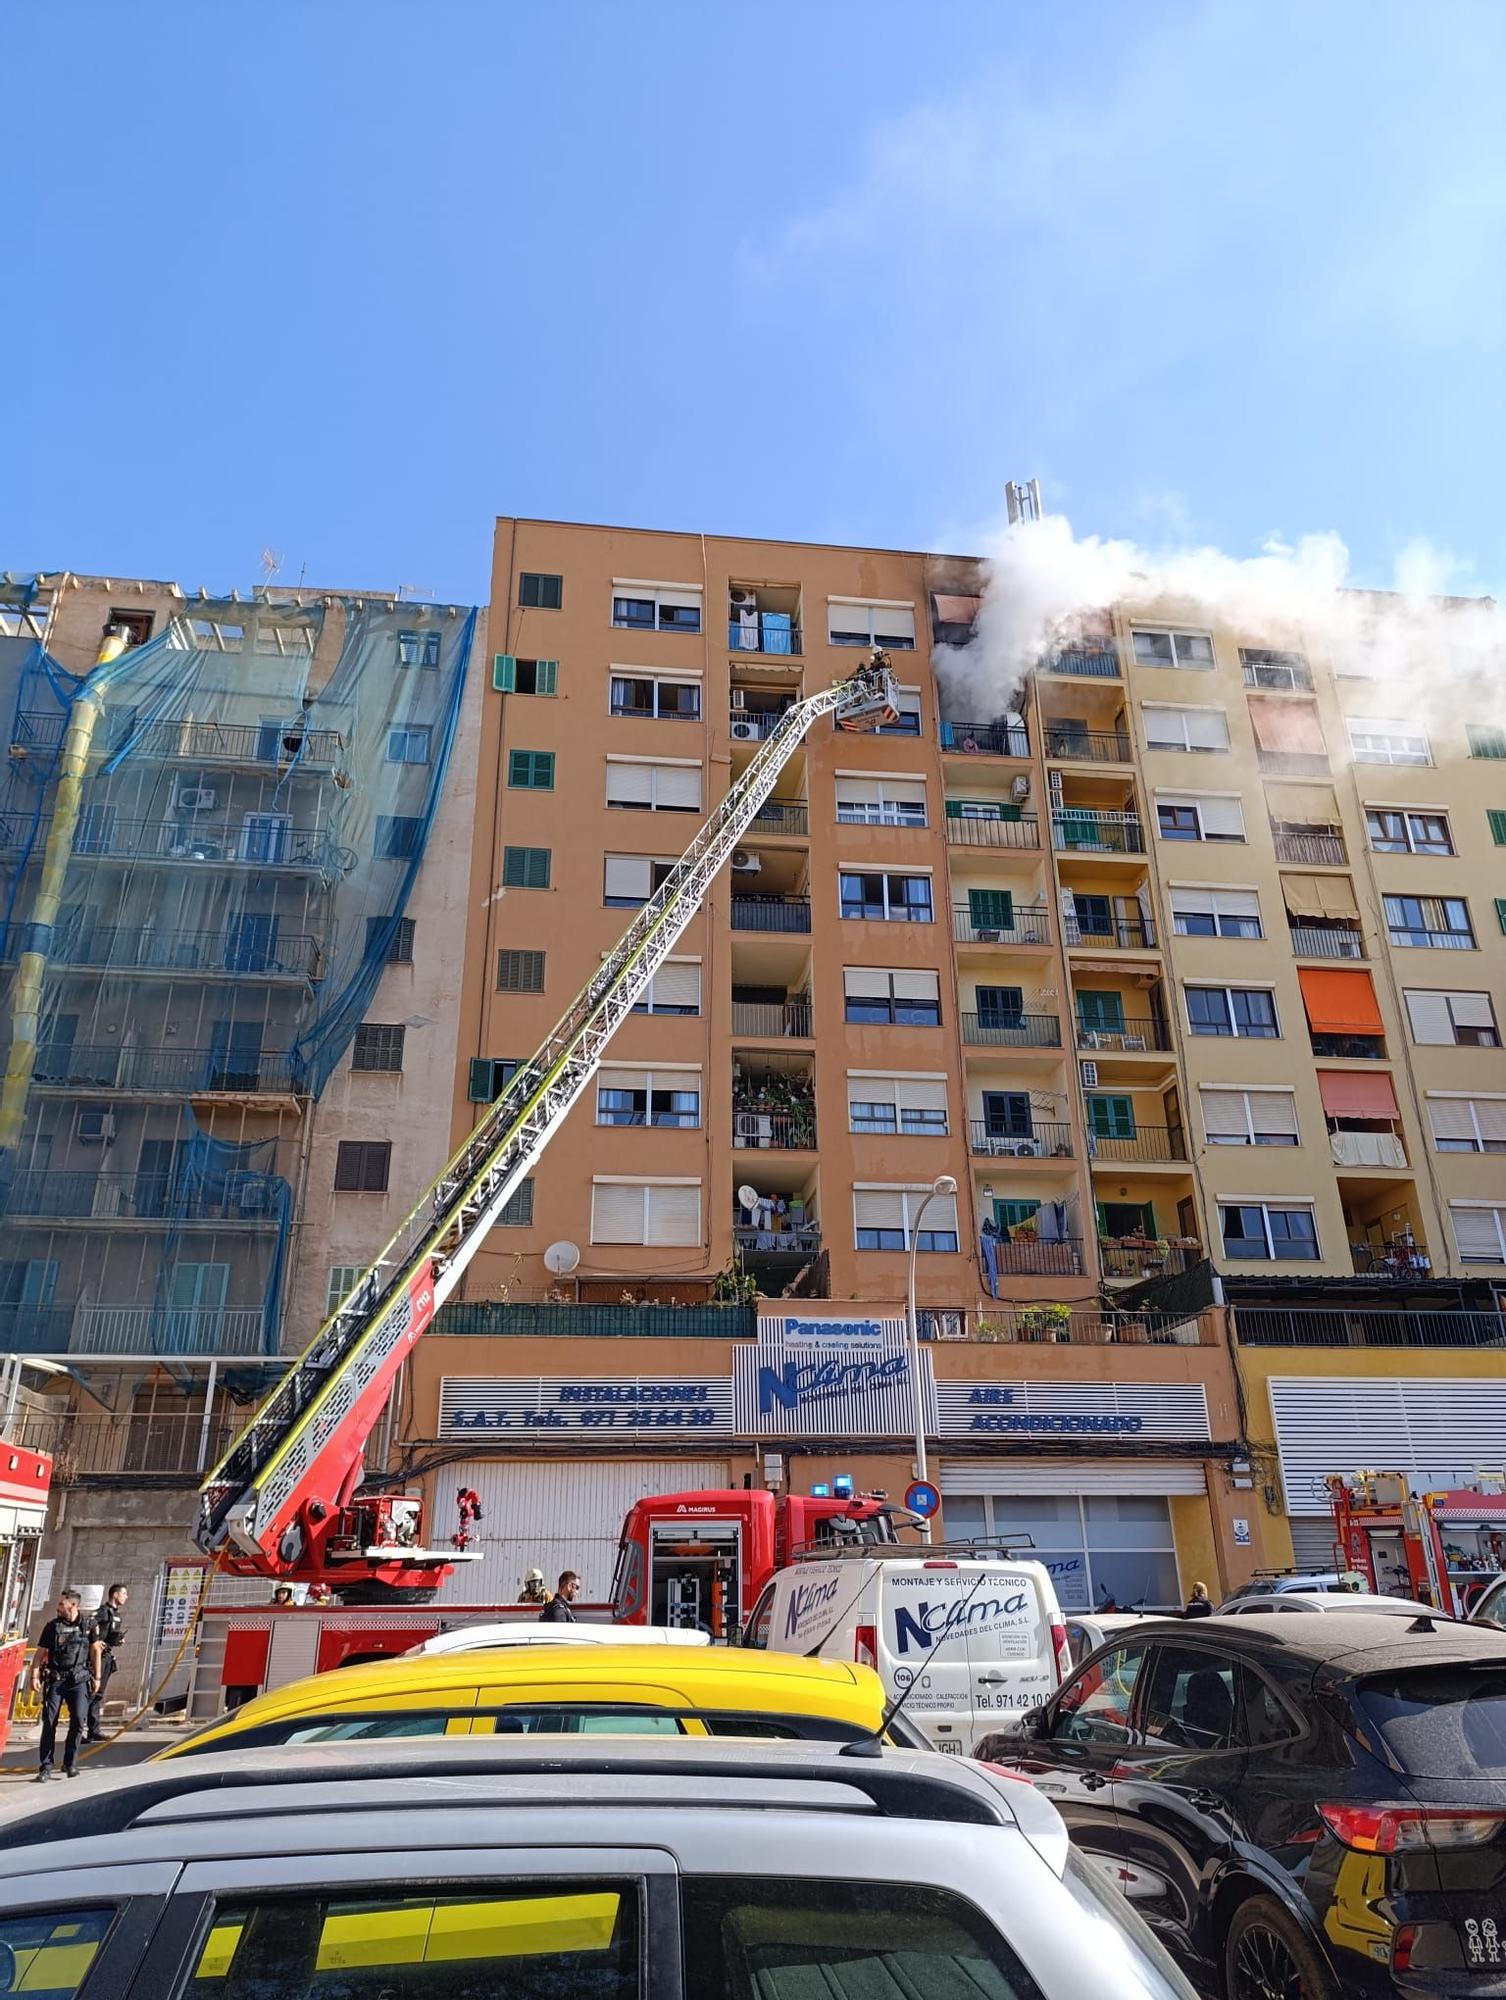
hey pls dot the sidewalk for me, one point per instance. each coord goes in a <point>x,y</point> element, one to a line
<point>18,1765</point>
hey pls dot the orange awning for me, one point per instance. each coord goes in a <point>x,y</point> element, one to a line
<point>1348,1094</point>
<point>1339,1003</point>
<point>956,610</point>
<point>1287,725</point>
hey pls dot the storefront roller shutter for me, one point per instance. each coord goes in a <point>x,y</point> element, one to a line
<point>1436,1432</point>
<point>630,784</point>
<point>880,1208</point>
<point>965,1479</point>
<point>677,984</point>
<point>674,1215</point>
<point>616,1212</point>
<point>1312,1545</point>
<point>678,785</point>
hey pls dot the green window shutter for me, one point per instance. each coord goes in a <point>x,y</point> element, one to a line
<point>1485,742</point>
<point>991,909</point>
<point>1111,1117</point>
<point>1501,911</point>
<point>546,676</point>
<point>482,1087</point>
<point>517,1212</point>
<point>526,867</point>
<point>1100,1012</point>
<point>504,672</point>
<point>1497,827</point>
<point>1008,1213</point>
<point>531,770</point>
<point>1011,812</point>
<point>954,808</point>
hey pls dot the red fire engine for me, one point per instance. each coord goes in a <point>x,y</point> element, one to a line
<point>1441,1546</point>
<point>25,1478</point>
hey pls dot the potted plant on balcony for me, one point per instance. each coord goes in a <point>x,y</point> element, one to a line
<point>1059,1322</point>
<point>994,1330</point>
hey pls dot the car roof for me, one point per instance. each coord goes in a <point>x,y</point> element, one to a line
<point>524,1632</point>
<point>1349,1641</point>
<point>1339,1601</point>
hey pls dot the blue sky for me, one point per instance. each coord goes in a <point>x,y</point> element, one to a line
<point>350,279</point>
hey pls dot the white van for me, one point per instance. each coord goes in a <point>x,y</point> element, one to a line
<point>976,1641</point>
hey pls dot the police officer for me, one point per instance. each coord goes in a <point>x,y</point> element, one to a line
<point>62,1666</point>
<point>105,1634</point>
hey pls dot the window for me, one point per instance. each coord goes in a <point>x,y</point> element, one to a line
<point>137,625</point>
<point>1501,912</point>
<point>398,838</point>
<point>520,972</point>
<point>1168,728</point>
<point>537,592</point>
<point>418,649</point>
<point>1468,1124</point>
<point>883,1219</point>
<point>378,1045</point>
<point>674,989</point>
<point>526,867</point>
<point>1200,816</point>
<point>912,1104</point>
<point>630,879</point>
<point>1262,1232</point>
<point>1485,740</point>
<point>511,675</point>
<point>1193,1701</point>
<point>1372,741</point>
<point>1000,1006</point>
<point>905,999</point>
<point>1452,1020</point>
<point>1100,1011</point>
<point>362,1166</point>
<point>1397,832</point>
<point>863,801</point>
<point>1248,1011</point>
<point>1095,1708</point>
<point>646,1212</point>
<point>409,744</point>
<point>400,944</point>
<point>343,1279</point>
<point>490,1076</point>
<point>853,621</point>
<point>907,714</point>
<point>1216,913</point>
<point>643,787</point>
<point>662,701</point>
<point>648,1097</point>
<point>1496,821</point>
<point>1267,669</point>
<point>517,1211</point>
<point>887,899</point>
<point>649,607</point>
<point>1172,649</point>
<point>1435,923</point>
<point>1479,1231</point>
<point>990,909</point>
<point>531,770</point>
<point>1008,1114</point>
<point>50,1953</point>
<point>1111,1117</point>
<point>1234,1117</point>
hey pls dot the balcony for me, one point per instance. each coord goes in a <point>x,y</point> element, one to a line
<point>753,725</point>
<point>758,1130</point>
<point>1042,1142</point>
<point>1148,1144</point>
<point>1093,660</point>
<point>1031,925</point>
<point>789,1019</point>
<point>1294,763</point>
<point>1315,848</point>
<point>254,841</point>
<point>1322,1326</point>
<point>785,816</point>
<point>1087,830</point>
<point>1090,1329</point>
<point>131,1445</point>
<point>1122,934</point>
<point>81,1196</point>
<point>986,739</point>
<point>1012,1031</point>
<point>770,913</point>
<point>1288,673</point>
<point>1397,1260</point>
<point>144,1330</point>
<point>219,954</point>
<point>531,1320</point>
<point>1348,1048</point>
<point>1378,1146</point>
<point>776,1256</point>
<point>164,1072</point>
<point>261,743</point>
<point>1027,1258</point>
<point>1124,1257</point>
<point>770,632</point>
<point>1320,941</point>
<point>1134,1036</point>
<point>1067,744</point>
<point>972,823</point>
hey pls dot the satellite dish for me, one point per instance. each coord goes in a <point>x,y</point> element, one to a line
<point>748,1196</point>
<point>562,1258</point>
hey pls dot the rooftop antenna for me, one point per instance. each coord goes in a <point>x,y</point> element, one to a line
<point>271,563</point>
<point>1023,502</point>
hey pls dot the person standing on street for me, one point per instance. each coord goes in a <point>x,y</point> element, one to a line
<point>62,1667</point>
<point>1199,1604</point>
<point>106,1634</point>
<point>557,1611</point>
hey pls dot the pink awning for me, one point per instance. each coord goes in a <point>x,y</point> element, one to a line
<point>1287,725</point>
<point>956,610</point>
<point>1349,1094</point>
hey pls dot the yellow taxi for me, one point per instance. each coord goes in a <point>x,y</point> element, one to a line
<point>565,1690</point>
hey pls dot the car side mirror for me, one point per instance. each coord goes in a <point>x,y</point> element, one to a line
<point>1037,1723</point>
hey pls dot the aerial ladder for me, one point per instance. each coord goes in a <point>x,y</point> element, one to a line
<point>283,1501</point>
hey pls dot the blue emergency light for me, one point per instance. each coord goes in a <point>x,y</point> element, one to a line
<point>841,1485</point>
<point>820,1493</point>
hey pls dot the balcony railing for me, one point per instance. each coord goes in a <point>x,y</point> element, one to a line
<point>174,1072</point>
<point>770,913</point>
<point>986,739</point>
<point>1126,1259</point>
<point>1086,831</point>
<point>257,844</point>
<point>1368,1149</point>
<point>1093,662</point>
<point>1030,925</point>
<point>748,725</point>
<point>74,1196</point>
<point>1294,763</point>
<point>789,1018</point>
<point>974,830</point>
<point>804,1240</point>
<point>1133,1036</point>
<point>1121,934</point>
<point>1068,745</point>
<point>1349,1048</point>
<point>1012,1031</point>
<point>1314,941</point>
<point>1315,850</point>
<point>782,816</point>
<point>1059,1259</point>
<point>1287,675</point>
<point>1395,1261</point>
<point>144,1330</point>
<point>1323,1326</point>
<point>200,742</point>
<point>35,1329</point>
<point>530,1319</point>
<point>772,1131</point>
<point>766,632</point>
<point>1145,1143</point>
<point>140,948</point>
<point>1042,1142</point>
<point>131,1444</point>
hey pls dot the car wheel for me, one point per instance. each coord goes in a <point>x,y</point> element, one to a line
<point>1267,1956</point>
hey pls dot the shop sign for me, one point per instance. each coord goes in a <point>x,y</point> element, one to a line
<point>478,1407</point>
<point>801,1392</point>
<point>803,1330</point>
<point>1108,1410</point>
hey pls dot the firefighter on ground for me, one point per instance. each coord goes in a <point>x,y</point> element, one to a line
<point>106,1635</point>
<point>61,1666</point>
<point>533,1591</point>
<point>557,1611</point>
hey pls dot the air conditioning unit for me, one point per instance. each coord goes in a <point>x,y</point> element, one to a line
<point>745,732</point>
<point>1089,1074</point>
<point>745,861</point>
<point>989,937</point>
<point>1020,789</point>
<point>738,698</point>
<point>1027,1149</point>
<point>95,1128</point>
<point>196,798</point>
<point>741,597</point>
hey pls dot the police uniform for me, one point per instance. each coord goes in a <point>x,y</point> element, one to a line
<point>108,1630</point>
<point>66,1680</point>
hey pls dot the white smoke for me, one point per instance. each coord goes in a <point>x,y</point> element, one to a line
<point>1429,656</point>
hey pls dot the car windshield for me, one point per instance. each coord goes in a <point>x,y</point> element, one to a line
<point>1440,1722</point>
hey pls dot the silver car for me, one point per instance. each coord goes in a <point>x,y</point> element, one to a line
<point>636,1870</point>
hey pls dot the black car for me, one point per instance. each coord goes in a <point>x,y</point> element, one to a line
<point>1300,1806</point>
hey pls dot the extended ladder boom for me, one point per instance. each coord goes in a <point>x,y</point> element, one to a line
<point>279,1487</point>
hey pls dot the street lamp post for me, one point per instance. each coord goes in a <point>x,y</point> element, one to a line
<point>942,1186</point>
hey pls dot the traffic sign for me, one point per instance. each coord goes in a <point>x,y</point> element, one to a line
<point>922,1498</point>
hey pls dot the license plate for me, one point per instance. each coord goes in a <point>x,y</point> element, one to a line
<point>951,1745</point>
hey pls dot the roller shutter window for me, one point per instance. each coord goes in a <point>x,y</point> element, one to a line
<point>1373,740</point>
<point>909,1104</point>
<point>1468,1124</point>
<point>1169,728</point>
<point>871,623</point>
<point>1480,1233</point>
<point>653,1214</point>
<point>1448,1020</point>
<point>880,802</point>
<point>1219,818</point>
<point>655,787</point>
<point>1249,1117</point>
<point>674,1216</point>
<point>675,989</point>
<point>883,1218</point>
<point>1216,912</point>
<point>628,878</point>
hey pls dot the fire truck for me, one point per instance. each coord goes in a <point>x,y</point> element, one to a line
<point>285,1503</point>
<point>1442,1546</point>
<point>25,1481</point>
